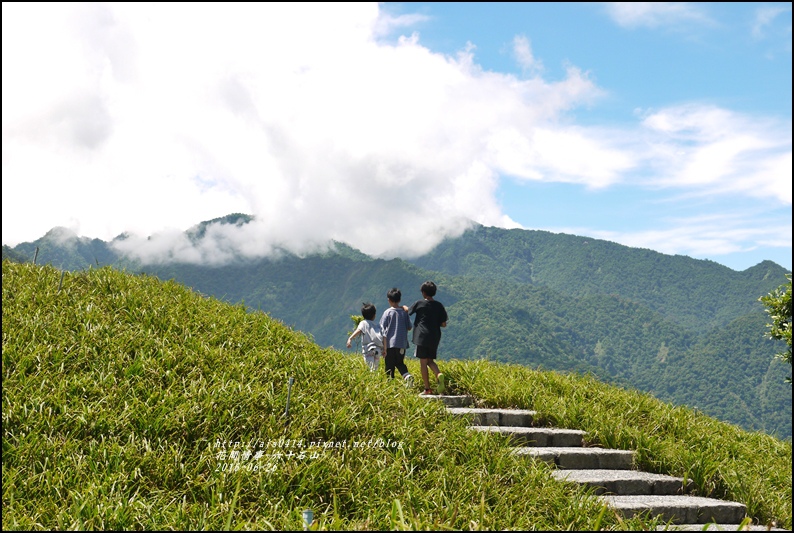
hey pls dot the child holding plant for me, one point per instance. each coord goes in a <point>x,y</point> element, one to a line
<point>371,338</point>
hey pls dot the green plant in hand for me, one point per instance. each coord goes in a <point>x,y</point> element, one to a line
<point>356,321</point>
<point>778,306</point>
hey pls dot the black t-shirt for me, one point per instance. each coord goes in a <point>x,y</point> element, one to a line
<point>427,324</point>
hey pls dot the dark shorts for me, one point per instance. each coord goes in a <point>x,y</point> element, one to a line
<point>426,352</point>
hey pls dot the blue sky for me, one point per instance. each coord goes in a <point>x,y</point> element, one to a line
<point>389,126</point>
<point>732,56</point>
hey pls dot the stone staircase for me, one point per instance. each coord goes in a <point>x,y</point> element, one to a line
<point>609,472</point>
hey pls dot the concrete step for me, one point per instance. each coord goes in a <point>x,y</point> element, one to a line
<point>608,472</point>
<point>450,401</point>
<point>495,417</point>
<point>524,436</point>
<point>625,482</point>
<point>581,458</point>
<point>718,527</point>
<point>679,509</point>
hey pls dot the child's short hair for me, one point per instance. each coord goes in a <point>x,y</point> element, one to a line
<point>368,311</point>
<point>429,288</point>
<point>394,295</point>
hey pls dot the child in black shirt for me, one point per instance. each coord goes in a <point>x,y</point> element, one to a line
<point>430,318</point>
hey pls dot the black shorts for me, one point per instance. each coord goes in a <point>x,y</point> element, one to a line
<point>426,352</point>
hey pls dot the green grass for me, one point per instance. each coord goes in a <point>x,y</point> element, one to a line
<point>121,393</point>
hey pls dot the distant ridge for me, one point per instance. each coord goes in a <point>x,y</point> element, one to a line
<point>198,231</point>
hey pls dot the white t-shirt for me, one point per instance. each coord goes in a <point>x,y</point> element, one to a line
<point>371,337</point>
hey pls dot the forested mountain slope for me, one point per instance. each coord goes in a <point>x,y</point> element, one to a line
<point>695,293</point>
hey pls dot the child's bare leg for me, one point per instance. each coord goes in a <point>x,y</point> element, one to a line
<point>425,378</point>
<point>433,366</point>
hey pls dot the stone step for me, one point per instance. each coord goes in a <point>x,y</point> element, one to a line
<point>718,527</point>
<point>581,458</point>
<point>450,401</point>
<point>679,509</point>
<point>478,416</point>
<point>524,436</point>
<point>625,482</point>
<point>608,472</point>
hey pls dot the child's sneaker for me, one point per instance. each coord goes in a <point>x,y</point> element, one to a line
<point>442,385</point>
<point>408,379</point>
<point>427,392</point>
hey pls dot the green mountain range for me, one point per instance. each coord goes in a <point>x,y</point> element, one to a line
<point>689,331</point>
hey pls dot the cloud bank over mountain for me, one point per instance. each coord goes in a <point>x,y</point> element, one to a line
<point>321,122</point>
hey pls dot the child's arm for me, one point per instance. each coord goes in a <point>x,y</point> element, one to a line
<point>353,336</point>
<point>385,323</point>
<point>408,325</point>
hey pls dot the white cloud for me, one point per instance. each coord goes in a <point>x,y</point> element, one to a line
<point>693,148</point>
<point>654,14</point>
<point>522,49</point>
<point>717,151</point>
<point>150,118</point>
<point>563,154</point>
<point>387,24</point>
<point>765,17</point>
<point>703,236</point>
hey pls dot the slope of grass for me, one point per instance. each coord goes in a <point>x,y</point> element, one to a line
<point>130,403</point>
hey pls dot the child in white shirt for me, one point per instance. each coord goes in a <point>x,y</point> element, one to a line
<point>371,338</point>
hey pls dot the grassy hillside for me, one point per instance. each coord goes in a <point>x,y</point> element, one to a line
<point>124,396</point>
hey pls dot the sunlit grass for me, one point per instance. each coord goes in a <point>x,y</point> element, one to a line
<point>124,396</point>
